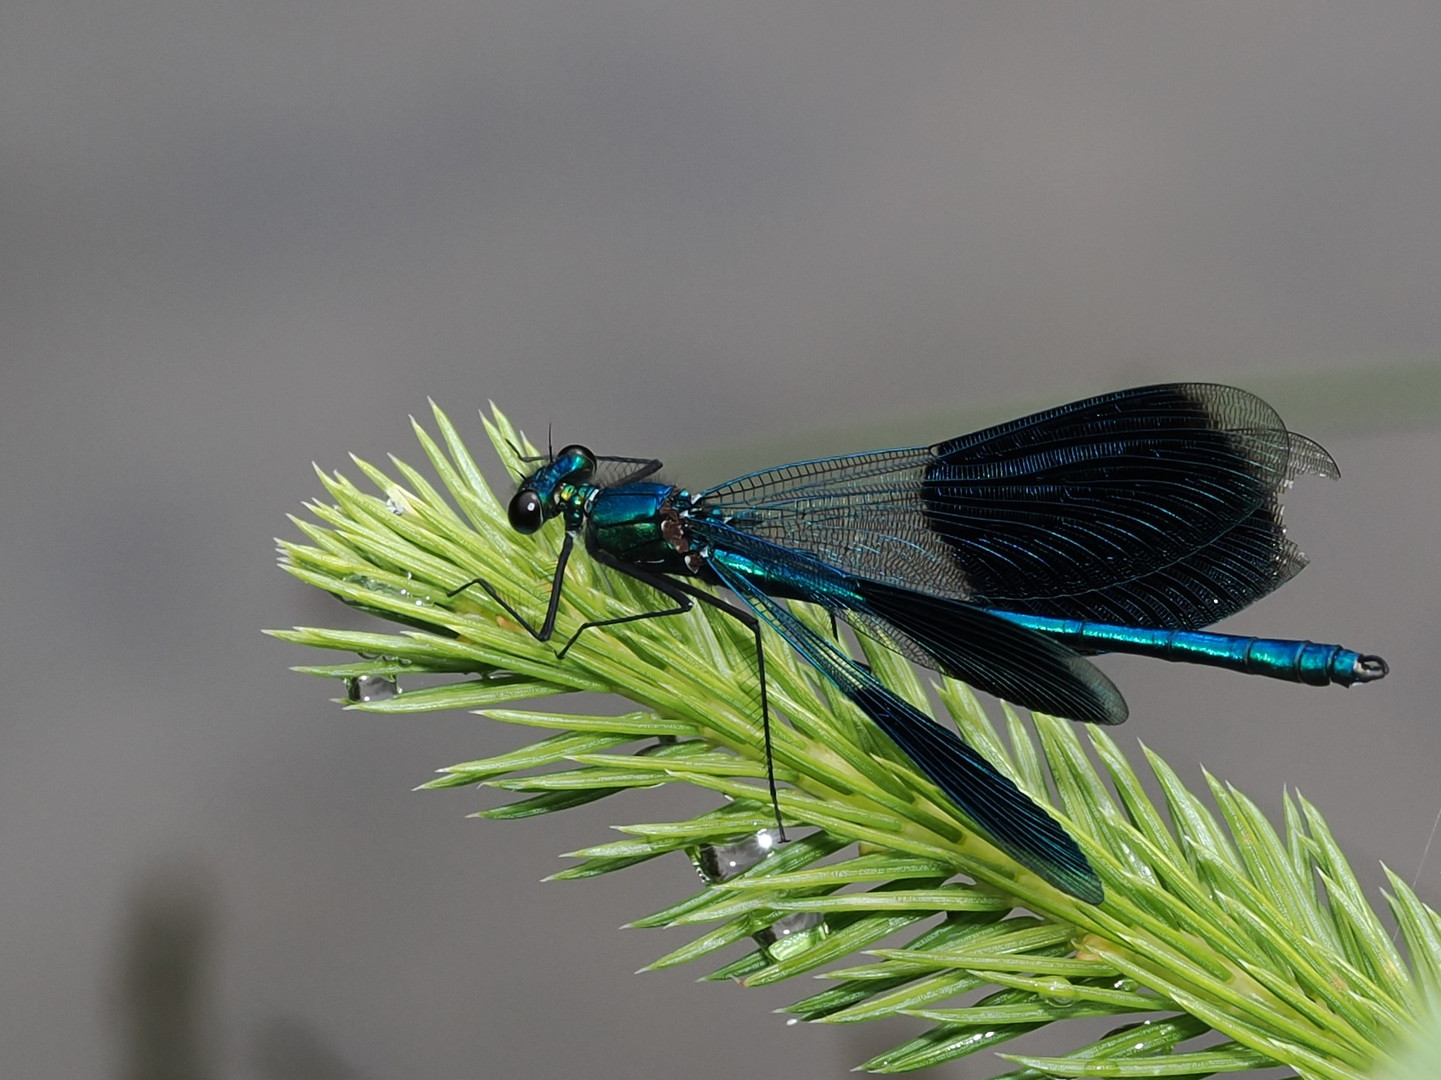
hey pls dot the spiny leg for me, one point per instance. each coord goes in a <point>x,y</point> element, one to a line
<point>682,593</point>
<point>681,608</point>
<point>547,628</point>
<point>643,467</point>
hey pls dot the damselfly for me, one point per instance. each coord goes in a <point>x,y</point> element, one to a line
<point>1121,523</point>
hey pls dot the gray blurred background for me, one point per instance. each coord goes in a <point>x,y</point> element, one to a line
<point>236,238</point>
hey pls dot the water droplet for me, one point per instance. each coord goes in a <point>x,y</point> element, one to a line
<point>371,688</point>
<point>377,586</point>
<point>721,862</point>
<point>1059,993</point>
<point>399,590</point>
<point>792,934</point>
<point>395,504</point>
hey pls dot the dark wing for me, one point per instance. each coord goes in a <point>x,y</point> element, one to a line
<point>1156,506</point>
<point>973,645</point>
<point>1000,810</point>
<point>1015,663</point>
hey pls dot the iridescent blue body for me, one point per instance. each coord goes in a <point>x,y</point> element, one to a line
<point>626,522</point>
<point>1122,523</point>
<point>1295,661</point>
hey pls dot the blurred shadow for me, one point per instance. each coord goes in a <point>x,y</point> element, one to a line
<point>163,991</point>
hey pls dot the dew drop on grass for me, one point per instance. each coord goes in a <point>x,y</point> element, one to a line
<point>361,688</point>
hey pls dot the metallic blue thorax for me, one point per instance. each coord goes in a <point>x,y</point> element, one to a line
<point>640,524</point>
<point>656,526</point>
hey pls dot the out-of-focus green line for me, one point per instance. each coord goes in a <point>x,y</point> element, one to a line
<point>1365,399</point>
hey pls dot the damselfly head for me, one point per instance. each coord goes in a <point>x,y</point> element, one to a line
<point>542,492</point>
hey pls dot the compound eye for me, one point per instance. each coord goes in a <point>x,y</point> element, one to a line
<point>526,512</point>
